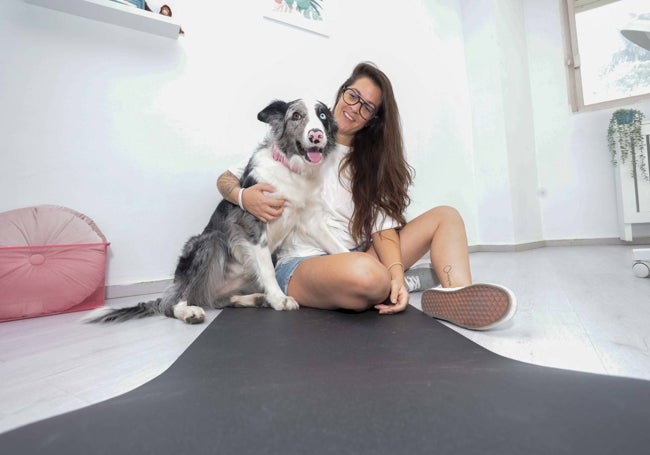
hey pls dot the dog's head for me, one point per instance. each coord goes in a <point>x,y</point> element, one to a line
<point>302,130</point>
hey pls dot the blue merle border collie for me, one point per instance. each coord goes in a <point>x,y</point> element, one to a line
<point>230,263</point>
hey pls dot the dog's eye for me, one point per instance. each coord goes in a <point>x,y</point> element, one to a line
<point>322,116</point>
<point>296,116</point>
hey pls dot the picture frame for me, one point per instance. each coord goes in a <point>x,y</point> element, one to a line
<point>137,3</point>
<point>308,15</point>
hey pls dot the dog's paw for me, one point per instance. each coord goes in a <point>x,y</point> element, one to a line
<point>283,303</point>
<point>189,313</point>
<point>290,303</point>
<point>247,301</point>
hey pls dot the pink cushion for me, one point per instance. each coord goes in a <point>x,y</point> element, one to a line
<point>52,260</point>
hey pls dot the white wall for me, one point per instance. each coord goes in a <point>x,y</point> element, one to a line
<point>133,129</point>
<point>503,134</point>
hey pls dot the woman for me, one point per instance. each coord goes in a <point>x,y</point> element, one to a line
<point>366,183</point>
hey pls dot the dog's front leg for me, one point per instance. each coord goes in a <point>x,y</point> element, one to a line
<point>266,275</point>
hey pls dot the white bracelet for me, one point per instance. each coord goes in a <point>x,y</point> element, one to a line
<point>239,198</point>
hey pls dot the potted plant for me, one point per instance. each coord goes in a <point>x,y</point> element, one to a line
<point>625,131</point>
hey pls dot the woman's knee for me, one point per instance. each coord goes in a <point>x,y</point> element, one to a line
<point>445,216</point>
<point>447,213</point>
<point>368,281</point>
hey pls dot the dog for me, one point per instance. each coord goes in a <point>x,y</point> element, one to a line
<point>231,262</point>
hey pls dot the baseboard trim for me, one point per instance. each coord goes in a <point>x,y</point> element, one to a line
<point>143,288</point>
<point>157,287</point>
<point>559,242</point>
<point>507,248</point>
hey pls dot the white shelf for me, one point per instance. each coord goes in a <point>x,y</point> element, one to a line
<point>117,14</point>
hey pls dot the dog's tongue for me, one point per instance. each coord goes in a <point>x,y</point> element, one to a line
<point>314,155</point>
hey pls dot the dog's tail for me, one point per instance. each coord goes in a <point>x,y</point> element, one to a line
<point>141,310</point>
<point>162,305</point>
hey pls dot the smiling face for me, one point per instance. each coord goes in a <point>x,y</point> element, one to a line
<point>348,117</point>
<point>308,130</point>
<point>302,130</point>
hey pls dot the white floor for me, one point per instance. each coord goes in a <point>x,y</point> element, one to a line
<point>580,308</point>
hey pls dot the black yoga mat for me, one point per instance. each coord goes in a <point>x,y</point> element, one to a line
<point>258,381</point>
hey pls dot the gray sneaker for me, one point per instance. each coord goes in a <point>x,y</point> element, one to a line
<point>420,278</point>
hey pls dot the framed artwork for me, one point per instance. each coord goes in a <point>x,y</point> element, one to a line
<point>308,15</point>
<point>136,3</point>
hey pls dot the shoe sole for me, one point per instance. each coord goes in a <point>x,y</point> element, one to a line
<point>475,307</point>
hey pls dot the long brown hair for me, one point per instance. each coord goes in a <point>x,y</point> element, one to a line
<point>377,166</point>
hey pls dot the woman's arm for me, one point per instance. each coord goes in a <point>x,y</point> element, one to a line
<point>387,247</point>
<point>228,186</point>
<point>254,199</point>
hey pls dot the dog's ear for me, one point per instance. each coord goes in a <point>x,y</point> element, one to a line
<point>274,111</point>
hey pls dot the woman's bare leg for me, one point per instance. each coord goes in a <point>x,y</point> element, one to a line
<point>479,307</point>
<point>441,232</point>
<point>352,281</point>
<point>358,281</point>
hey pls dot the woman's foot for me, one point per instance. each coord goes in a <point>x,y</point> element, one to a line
<point>419,278</point>
<point>477,306</point>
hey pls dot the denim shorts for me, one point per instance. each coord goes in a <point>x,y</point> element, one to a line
<point>284,270</point>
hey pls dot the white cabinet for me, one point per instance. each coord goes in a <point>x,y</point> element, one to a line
<point>633,193</point>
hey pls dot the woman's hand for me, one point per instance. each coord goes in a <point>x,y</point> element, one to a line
<point>399,298</point>
<point>259,201</point>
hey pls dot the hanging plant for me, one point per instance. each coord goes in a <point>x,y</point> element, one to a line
<point>625,131</point>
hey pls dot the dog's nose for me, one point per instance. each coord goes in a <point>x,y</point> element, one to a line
<point>315,136</point>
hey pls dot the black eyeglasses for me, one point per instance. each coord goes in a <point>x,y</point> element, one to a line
<point>352,97</point>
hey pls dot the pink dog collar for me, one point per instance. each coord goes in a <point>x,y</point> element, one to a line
<point>280,157</point>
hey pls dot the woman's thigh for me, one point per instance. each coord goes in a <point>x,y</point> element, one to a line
<point>441,232</point>
<point>354,281</point>
<point>415,237</point>
<point>440,228</point>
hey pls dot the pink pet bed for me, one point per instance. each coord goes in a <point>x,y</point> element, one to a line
<point>52,260</point>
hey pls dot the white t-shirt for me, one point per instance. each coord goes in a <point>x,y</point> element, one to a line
<point>338,201</point>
